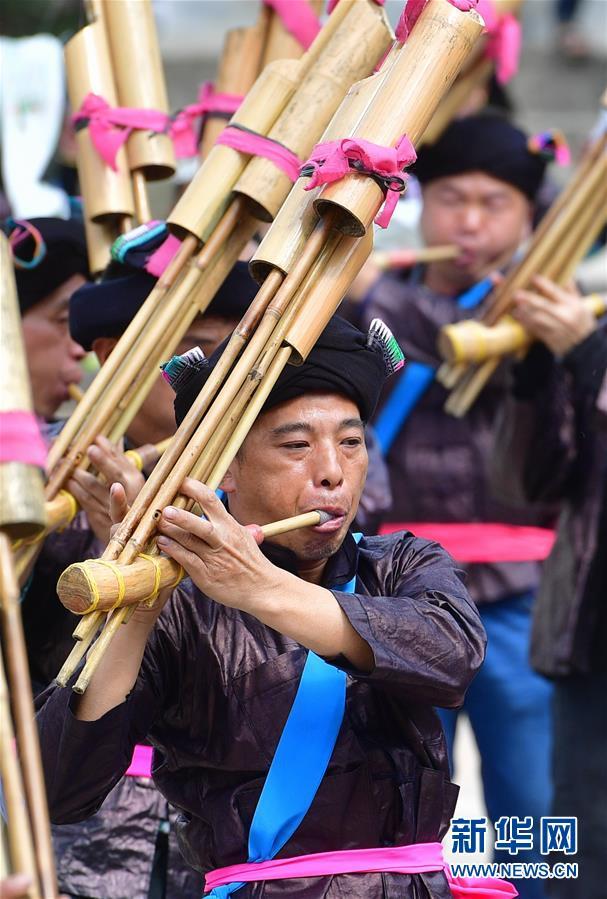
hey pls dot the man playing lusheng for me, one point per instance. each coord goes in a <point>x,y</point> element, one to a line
<point>210,675</point>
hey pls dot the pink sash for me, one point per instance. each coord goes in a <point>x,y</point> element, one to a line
<point>414,859</point>
<point>482,542</point>
<point>141,763</point>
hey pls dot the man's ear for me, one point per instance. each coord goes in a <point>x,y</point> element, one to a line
<point>228,483</point>
<point>102,347</point>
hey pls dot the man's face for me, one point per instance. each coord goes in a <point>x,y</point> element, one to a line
<point>485,218</point>
<point>155,420</point>
<point>308,453</point>
<point>53,358</point>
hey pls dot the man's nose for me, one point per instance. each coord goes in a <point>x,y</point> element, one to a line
<point>76,351</point>
<point>472,217</point>
<point>328,472</point>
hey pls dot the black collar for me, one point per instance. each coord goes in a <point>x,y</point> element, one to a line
<point>340,567</point>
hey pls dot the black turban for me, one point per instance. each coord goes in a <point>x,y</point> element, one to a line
<point>64,255</point>
<point>106,309</point>
<point>340,362</point>
<point>485,143</point>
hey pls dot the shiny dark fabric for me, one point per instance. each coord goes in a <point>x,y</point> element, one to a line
<point>552,445</point>
<point>438,464</point>
<point>110,856</point>
<point>213,695</point>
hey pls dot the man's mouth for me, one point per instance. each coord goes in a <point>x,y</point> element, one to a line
<point>334,522</point>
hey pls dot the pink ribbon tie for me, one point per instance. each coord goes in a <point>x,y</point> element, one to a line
<point>332,160</point>
<point>414,8</point>
<point>245,141</point>
<point>185,136</point>
<point>504,40</point>
<point>298,17</point>
<point>110,127</point>
<point>20,438</point>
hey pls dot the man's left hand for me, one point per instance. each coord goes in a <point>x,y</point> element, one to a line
<point>221,556</point>
<point>553,315</point>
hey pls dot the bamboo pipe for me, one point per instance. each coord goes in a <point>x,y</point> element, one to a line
<point>22,511</point>
<point>467,391</point>
<point>139,77</point>
<point>76,393</point>
<point>344,60</point>
<point>410,93</point>
<point>236,343</point>
<point>407,258</point>
<point>20,842</point>
<point>140,577</point>
<point>456,98</point>
<point>280,43</point>
<point>169,487</point>
<point>99,239</point>
<point>121,351</point>
<point>194,297</point>
<point>23,708</point>
<point>147,455</point>
<point>206,198</point>
<point>107,193</point>
<point>297,217</point>
<point>239,66</point>
<point>131,361</point>
<point>477,342</point>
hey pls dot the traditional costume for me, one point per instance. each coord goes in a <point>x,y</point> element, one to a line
<point>439,471</point>
<point>216,686</point>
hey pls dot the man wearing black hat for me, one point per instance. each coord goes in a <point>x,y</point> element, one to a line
<point>479,182</point>
<point>143,859</point>
<point>50,264</point>
<point>369,635</point>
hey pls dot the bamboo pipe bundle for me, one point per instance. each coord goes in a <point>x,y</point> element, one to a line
<point>20,691</point>
<point>144,577</point>
<point>442,31</point>
<point>558,245</point>
<point>245,53</point>
<point>475,74</point>
<point>472,341</point>
<point>327,292</point>
<point>139,78</point>
<point>295,314</point>
<point>343,60</point>
<point>106,193</point>
<point>115,385</point>
<point>22,511</point>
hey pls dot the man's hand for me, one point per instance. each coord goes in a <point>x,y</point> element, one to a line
<point>221,556</point>
<point>553,315</point>
<point>93,493</point>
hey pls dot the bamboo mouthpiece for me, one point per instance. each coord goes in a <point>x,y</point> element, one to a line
<point>97,585</point>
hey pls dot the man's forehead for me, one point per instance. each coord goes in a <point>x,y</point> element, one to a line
<point>310,411</point>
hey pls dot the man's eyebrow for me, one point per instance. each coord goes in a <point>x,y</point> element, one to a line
<point>290,428</point>
<point>352,423</point>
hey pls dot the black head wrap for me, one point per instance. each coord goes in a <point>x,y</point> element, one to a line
<point>342,361</point>
<point>486,143</point>
<point>106,309</point>
<point>62,254</point>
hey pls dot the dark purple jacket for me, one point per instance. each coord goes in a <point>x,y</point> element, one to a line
<point>110,856</point>
<point>438,464</point>
<point>213,694</point>
<point>552,444</point>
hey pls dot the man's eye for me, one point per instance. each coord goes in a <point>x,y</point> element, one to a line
<point>352,441</point>
<point>299,444</point>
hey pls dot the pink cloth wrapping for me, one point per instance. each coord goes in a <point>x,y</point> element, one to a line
<point>110,127</point>
<point>185,137</point>
<point>141,763</point>
<point>159,259</point>
<point>20,438</point>
<point>413,9</point>
<point>481,542</point>
<point>504,40</point>
<point>413,859</point>
<point>298,17</point>
<point>332,160</point>
<point>257,145</point>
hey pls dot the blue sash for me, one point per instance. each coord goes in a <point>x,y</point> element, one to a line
<point>301,758</point>
<point>415,380</point>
